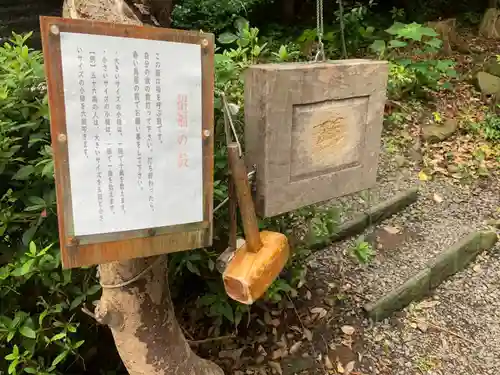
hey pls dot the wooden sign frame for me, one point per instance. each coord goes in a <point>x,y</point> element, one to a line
<point>96,249</point>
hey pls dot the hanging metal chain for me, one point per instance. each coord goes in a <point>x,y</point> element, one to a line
<point>320,29</point>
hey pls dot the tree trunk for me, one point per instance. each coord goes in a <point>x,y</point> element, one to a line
<point>490,24</point>
<point>142,320</point>
<point>288,7</point>
<point>162,10</point>
<point>140,314</point>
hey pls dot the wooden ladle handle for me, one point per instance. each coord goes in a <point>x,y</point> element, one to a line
<point>245,201</point>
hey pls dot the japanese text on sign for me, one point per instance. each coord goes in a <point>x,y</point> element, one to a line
<point>135,147</point>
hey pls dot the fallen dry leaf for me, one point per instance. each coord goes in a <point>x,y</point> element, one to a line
<point>261,350</point>
<point>267,318</point>
<point>426,305</point>
<point>308,334</point>
<point>347,342</point>
<point>295,347</point>
<point>328,363</point>
<point>423,326</point>
<point>422,176</point>
<point>349,368</point>
<point>231,354</point>
<point>277,354</point>
<point>276,367</point>
<point>438,198</point>
<point>340,368</point>
<point>392,230</point>
<point>275,322</point>
<point>308,295</point>
<point>348,330</point>
<point>320,311</point>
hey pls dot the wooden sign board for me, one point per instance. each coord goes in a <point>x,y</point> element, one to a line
<point>132,134</point>
<point>313,130</point>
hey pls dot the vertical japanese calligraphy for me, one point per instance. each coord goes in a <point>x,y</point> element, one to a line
<point>159,113</point>
<point>83,109</point>
<point>135,149</point>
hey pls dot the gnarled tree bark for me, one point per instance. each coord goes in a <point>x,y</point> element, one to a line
<point>490,24</point>
<point>140,314</point>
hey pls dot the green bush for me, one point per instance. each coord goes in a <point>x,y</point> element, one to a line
<point>211,15</point>
<point>38,299</point>
<point>416,73</point>
<point>489,127</point>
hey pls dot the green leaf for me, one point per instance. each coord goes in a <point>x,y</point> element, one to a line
<point>227,38</point>
<point>77,302</point>
<point>207,300</point>
<point>428,31</point>
<point>444,65</point>
<point>378,46</point>
<point>24,173</point>
<point>434,43</point>
<point>241,24</point>
<point>93,290</point>
<point>36,200</point>
<point>30,370</point>
<point>32,248</point>
<point>447,86</point>
<point>395,28</point>
<point>58,337</point>
<point>29,234</point>
<point>71,328</point>
<point>405,62</point>
<point>452,73</point>
<point>42,316</point>
<point>227,311</point>
<point>59,359</point>
<point>193,268</point>
<point>48,169</point>
<point>27,266</point>
<point>397,43</point>
<point>12,367</point>
<point>256,51</point>
<point>415,31</point>
<point>10,357</point>
<point>78,344</point>
<point>27,332</point>
<point>211,265</point>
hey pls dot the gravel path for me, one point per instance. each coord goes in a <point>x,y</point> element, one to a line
<point>325,331</point>
<point>455,332</point>
<point>458,331</point>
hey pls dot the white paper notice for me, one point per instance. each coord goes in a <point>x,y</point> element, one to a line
<point>134,126</point>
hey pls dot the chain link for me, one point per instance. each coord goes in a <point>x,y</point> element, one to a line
<point>320,29</point>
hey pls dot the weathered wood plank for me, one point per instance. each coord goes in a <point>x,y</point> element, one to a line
<point>119,246</point>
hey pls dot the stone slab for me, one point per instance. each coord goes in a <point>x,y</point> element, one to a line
<point>313,130</point>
